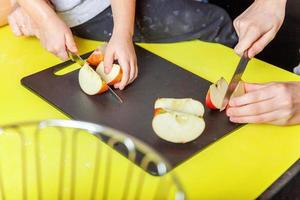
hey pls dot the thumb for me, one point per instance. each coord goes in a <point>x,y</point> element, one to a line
<point>70,43</point>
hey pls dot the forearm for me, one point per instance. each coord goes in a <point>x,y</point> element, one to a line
<point>124,15</point>
<point>39,10</point>
<point>4,11</point>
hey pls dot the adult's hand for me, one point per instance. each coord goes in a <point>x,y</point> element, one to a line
<point>275,103</point>
<point>258,25</point>
<point>21,24</point>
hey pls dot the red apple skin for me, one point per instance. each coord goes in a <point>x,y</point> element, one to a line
<point>104,87</point>
<point>208,102</point>
<point>157,111</point>
<point>95,59</point>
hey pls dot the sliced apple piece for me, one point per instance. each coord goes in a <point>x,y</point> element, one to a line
<point>96,58</point>
<point>216,93</point>
<point>185,105</point>
<point>90,82</point>
<point>114,76</point>
<point>177,127</point>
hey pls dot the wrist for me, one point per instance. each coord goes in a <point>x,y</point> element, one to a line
<point>280,2</point>
<point>122,33</point>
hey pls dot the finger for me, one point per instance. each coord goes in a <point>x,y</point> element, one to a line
<point>132,71</point>
<point>20,22</point>
<point>263,118</point>
<point>126,74</point>
<point>136,70</point>
<point>236,26</point>
<point>62,54</point>
<point>261,43</point>
<point>254,86</point>
<point>248,36</point>
<point>252,97</point>
<point>14,26</point>
<point>108,61</point>
<point>253,109</point>
<point>27,29</point>
<point>70,43</point>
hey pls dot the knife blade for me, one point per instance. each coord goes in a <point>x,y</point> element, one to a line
<point>76,58</point>
<point>236,78</point>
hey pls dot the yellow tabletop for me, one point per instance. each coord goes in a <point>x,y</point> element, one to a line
<point>239,166</point>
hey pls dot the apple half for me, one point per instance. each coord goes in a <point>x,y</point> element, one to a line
<point>90,82</point>
<point>185,105</point>
<point>178,120</point>
<point>216,94</point>
<point>113,77</point>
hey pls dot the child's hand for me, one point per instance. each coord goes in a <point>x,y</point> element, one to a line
<point>56,37</point>
<point>120,47</point>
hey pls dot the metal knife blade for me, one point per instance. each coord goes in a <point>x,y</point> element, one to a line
<point>76,58</point>
<point>235,79</point>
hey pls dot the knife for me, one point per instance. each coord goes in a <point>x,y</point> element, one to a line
<point>76,58</point>
<point>235,79</point>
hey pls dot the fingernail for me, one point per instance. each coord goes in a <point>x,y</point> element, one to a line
<point>232,119</point>
<point>228,112</point>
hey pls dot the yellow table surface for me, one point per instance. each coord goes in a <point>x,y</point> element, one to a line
<point>239,166</point>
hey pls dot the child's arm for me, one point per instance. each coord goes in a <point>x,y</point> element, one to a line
<point>54,34</point>
<point>4,11</point>
<point>120,46</point>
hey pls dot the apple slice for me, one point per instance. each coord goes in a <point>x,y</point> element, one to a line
<point>185,105</point>
<point>90,82</point>
<point>216,93</point>
<point>114,76</point>
<point>177,127</point>
<point>96,58</point>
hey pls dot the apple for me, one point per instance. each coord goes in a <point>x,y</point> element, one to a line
<point>91,82</point>
<point>114,76</point>
<point>186,105</point>
<point>177,127</point>
<point>178,120</point>
<point>216,94</point>
<point>96,58</point>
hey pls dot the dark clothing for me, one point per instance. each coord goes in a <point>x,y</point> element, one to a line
<point>283,51</point>
<point>160,21</point>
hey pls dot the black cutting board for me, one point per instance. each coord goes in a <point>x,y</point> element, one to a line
<point>157,78</point>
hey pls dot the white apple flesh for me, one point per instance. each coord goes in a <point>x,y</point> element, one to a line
<point>186,105</point>
<point>113,77</point>
<point>178,127</point>
<point>178,120</point>
<point>90,82</point>
<point>216,93</point>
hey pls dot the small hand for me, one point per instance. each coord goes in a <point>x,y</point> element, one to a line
<point>120,48</point>
<point>272,103</point>
<point>258,25</point>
